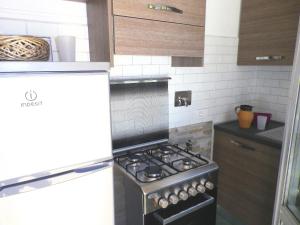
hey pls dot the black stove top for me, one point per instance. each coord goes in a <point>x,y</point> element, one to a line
<point>159,162</point>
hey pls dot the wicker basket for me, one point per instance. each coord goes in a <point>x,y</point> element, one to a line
<point>23,48</point>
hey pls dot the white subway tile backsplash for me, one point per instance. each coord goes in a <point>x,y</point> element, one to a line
<point>116,71</point>
<point>160,60</point>
<point>82,45</point>
<point>120,60</point>
<point>164,70</point>
<point>82,57</point>
<point>42,29</point>
<point>141,60</point>
<point>79,31</point>
<point>132,70</point>
<point>11,27</point>
<point>221,85</point>
<point>279,92</point>
<point>150,70</point>
<point>285,84</point>
<point>283,100</point>
<point>49,11</point>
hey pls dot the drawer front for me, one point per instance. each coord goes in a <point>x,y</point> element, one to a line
<point>176,11</point>
<point>256,159</point>
<point>146,37</point>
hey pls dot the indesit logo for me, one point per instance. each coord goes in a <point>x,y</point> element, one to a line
<point>31,97</point>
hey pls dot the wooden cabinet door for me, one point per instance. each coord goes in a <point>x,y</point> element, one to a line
<point>268,28</point>
<point>247,178</point>
<point>147,37</point>
<point>190,12</point>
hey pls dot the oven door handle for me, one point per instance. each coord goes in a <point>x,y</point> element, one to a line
<point>209,200</point>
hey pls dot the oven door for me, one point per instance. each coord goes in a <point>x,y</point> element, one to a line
<point>200,210</point>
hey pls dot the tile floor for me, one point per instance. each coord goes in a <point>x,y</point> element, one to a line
<point>223,218</point>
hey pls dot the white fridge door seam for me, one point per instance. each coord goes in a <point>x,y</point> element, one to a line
<point>19,187</point>
<point>87,199</point>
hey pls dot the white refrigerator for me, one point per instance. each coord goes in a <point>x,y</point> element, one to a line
<point>287,206</point>
<point>55,144</point>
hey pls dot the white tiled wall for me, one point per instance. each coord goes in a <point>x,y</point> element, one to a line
<point>49,18</point>
<point>217,87</point>
<point>272,90</point>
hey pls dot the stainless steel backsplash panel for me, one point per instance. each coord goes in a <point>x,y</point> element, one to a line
<point>140,113</point>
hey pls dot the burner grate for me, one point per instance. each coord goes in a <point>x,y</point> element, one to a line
<point>159,162</point>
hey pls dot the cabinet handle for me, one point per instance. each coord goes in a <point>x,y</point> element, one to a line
<point>165,8</point>
<point>241,145</point>
<point>270,58</point>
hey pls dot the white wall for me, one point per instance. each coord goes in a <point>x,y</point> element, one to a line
<point>48,18</point>
<point>272,90</point>
<point>222,17</point>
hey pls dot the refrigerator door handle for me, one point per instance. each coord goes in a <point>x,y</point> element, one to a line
<point>97,166</point>
<point>78,171</point>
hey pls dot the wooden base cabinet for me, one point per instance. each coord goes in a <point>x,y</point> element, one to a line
<point>247,178</point>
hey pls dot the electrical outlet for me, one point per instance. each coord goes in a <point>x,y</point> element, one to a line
<point>183,98</point>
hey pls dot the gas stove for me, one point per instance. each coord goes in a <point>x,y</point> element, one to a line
<point>162,178</point>
<point>156,183</point>
<point>159,162</point>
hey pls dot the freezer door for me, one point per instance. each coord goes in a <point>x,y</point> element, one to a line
<point>86,199</point>
<point>49,121</point>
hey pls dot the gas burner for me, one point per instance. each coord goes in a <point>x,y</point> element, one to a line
<point>187,163</point>
<point>153,172</point>
<point>166,158</point>
<point>134,159</point>
<point>166,151</point>
<point>139,154</point>
<point>135,164</point>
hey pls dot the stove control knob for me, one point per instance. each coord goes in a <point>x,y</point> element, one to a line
<point>173,199</point>
<point>203,181</point>
<point>192,191</point>
<point>163,203</point>
<point>199,187</point>
<point>209,185</point>
<point>183,195</point>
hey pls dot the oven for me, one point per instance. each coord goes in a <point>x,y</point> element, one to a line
<point>199,210</point>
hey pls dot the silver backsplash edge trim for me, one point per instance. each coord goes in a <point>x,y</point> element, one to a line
<point>143,145</point>
<point>136,80</point>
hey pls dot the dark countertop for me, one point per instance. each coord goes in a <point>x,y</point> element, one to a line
<point>232,127</point>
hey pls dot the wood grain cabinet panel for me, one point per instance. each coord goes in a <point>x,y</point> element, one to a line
<point>247,178</point>
<point>148,37</point>
<point>193,11</point>
<point>268,28</point>
<point>129,27</point>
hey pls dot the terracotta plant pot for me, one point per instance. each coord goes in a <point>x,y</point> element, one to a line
<point>245,117</point>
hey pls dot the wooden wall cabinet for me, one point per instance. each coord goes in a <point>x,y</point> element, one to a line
<point>247,178</point>
<point>268,31</point>
<point>143,27</point>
